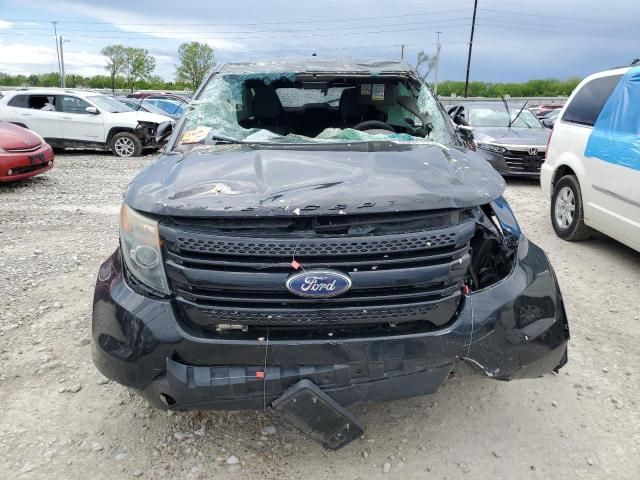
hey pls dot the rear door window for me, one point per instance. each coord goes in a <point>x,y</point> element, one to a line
<point>588,102</point>
<point>42,102</point>
<point>19,101</point>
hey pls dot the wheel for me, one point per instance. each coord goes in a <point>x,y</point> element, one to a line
<point>567,214</point>
<point>125,144</point>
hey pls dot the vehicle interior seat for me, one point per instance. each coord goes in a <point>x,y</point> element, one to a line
<point>354,111</point>
<point>351,110</point>
<point>267,109</point>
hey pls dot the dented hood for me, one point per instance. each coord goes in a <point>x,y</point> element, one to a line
<point>313,179</point>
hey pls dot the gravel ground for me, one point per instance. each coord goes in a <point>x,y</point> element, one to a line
<point>59,418</point>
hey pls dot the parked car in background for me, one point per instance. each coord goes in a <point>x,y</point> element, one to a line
<point>550,118</point>
<point>510,138</point>
<point>542,110</point>
<point>326,240</point>
<point>162,106</point>
<point>23,153</point>
<point>592,172</point>
<point>145,106</point>
<point>171,104</point>
<point>80,118</point>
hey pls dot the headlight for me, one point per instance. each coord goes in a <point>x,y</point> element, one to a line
<point>140,245</point>
<point>492,148</point>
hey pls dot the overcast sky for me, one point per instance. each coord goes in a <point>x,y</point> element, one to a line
<point>514,40</point>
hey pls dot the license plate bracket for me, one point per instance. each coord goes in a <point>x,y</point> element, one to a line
<point>36,159</point>
<point>532,161</point>
<point>317,415</point>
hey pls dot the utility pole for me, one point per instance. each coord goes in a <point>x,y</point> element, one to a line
<point>435,86</point>
<point>402,52</point>
<point>63,81</point>
<point>55,31</point>
<point>473,26</point>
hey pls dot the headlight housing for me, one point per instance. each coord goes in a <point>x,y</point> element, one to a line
<point>492,148</point>
<point>140,245</point>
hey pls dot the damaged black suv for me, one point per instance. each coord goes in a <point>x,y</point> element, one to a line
<point>317,234</point>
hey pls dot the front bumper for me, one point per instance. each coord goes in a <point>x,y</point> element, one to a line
<point>22,165</point>
<point>515,329</point>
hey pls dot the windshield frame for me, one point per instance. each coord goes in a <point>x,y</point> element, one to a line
<point>413,80</point>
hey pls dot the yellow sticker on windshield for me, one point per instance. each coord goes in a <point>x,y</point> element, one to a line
<point>195,136</point>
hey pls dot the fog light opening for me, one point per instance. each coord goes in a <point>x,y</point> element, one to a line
<point>167,399</point>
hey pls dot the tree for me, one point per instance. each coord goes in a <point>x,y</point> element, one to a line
<point>196,59</point>
<point>424,64</point>
<point>116,61</point>
<point>139,65</point>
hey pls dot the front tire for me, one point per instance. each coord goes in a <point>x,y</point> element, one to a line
<point>567,213</point>
<point>125,144</point>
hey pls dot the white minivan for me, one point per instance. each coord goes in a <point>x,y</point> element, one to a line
<point>592,169</point>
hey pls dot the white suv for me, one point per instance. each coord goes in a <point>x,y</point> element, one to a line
<point>77,118</point>
<point>592,169</point>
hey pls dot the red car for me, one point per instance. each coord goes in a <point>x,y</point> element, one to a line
<point>23,153</point>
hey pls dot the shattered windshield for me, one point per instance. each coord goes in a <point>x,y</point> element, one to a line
<point>277,107</point>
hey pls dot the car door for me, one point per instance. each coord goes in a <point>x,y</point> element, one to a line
<point>37,113</point>
<point>609,190</point>
<point>78,125</point>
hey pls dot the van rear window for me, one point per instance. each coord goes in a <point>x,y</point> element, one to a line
<point>588,102</point>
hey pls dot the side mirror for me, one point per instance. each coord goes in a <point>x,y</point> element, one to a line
<point>547,123</point>
<point>92,110</point>
<point>164,131</point>
<point>466,133</point>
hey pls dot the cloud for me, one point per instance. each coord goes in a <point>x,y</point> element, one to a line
<point>156,26</point>
<point>28,59</point>
<point>5,24</point>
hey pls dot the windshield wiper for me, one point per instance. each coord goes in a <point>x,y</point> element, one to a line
<point>506,106</point>
<point>516,117</point>
<point>222,139</point>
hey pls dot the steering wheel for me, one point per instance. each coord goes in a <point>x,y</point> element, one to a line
<point>372,125</point>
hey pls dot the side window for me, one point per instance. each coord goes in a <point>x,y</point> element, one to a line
<point>42,102</point>
<point>588,102</point>
<point>74,105</point>
<point>19,101</point>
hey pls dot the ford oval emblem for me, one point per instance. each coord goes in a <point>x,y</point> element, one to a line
<point>318,284</point>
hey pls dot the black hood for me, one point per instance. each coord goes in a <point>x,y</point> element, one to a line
<point>314,179</point>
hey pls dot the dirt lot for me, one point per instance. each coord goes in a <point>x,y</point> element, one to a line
<point>59,418</point>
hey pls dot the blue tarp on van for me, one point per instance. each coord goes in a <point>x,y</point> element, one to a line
<point>616,134</point>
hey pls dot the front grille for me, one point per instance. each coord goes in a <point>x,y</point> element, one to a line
<point>29,168</point>
<point>23,149</point>
<point>522,161</point>
<point>403,267</point>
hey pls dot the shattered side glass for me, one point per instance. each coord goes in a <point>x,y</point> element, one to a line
<point>215,115</point>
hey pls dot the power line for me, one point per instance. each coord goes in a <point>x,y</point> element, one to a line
<point>332,34</point>
<point>331,20</point>
<point>515,26</point>
<point>289,8</point>
<point>557,17</point>
<point>145,32</point>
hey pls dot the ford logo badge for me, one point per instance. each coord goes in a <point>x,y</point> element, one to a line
<point>318,284</point>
